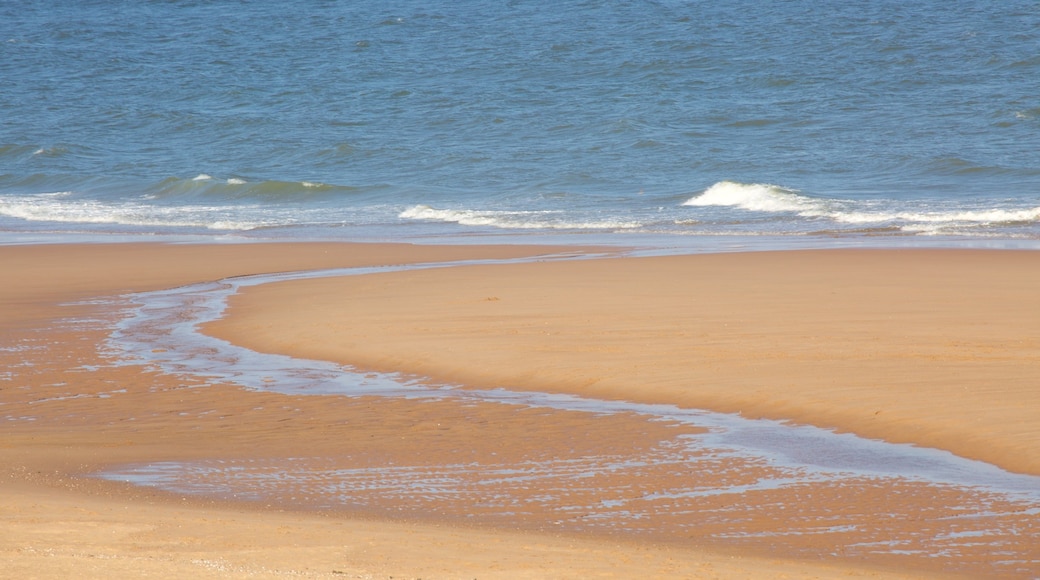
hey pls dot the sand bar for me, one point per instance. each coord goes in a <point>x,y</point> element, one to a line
<point>940,348</point>
<point>69,413</point>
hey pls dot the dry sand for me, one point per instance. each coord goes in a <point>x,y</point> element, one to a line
<point>66,413</point>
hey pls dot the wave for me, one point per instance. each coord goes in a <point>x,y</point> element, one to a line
<point>201,188</point>
<point>57,207</point>
<point>204,186</point>
<point>18,152</point>
<point>907,216</point>
<point>756,197</point>
<point>235,203</point>
<point>981,216</point>
<point>530,219</point>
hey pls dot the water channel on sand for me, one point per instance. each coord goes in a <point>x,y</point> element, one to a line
<point>798,490</point>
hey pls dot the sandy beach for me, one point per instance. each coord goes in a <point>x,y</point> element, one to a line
<point>934,347</point>
<point>938,348</point>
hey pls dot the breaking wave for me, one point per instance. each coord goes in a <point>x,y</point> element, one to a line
<point>55,208</point>
<point>531,219</point>
<point>756,197</point>
<point>922,216</point>
<point>232,203</point>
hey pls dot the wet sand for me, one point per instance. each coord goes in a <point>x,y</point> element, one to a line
<point>67,412</point>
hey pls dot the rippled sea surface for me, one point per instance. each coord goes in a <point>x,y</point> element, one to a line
<point>808,120</point>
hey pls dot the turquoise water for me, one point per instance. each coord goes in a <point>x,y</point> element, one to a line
<point>824,121</point>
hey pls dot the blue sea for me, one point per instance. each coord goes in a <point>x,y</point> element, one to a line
<point>673,122</point>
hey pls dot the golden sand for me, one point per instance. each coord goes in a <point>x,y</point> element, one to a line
<point>939,348</point>
<point>765,334</point>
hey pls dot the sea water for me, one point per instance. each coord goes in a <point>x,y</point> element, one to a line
<point>822,122</point>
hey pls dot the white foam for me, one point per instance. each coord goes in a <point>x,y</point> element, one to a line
<point>760,197</point>
<point>48,208</point>
<point>756,197</point>
<point>55,150</point>
<point>952,217</point>
<point>236,181</point>
<point>543,219</point>
<point>202,177</point>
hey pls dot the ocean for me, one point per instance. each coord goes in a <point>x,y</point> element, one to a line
<point>668,123</point>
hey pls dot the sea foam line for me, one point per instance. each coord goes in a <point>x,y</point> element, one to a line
<point>512,219</point>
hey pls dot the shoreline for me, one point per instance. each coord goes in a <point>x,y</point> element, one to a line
<point>75,434</point>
